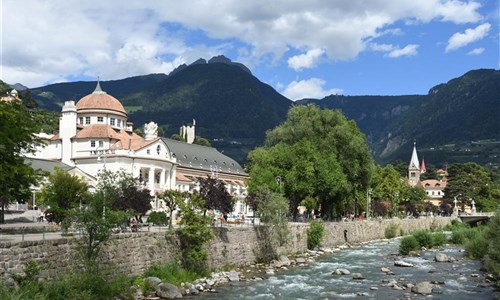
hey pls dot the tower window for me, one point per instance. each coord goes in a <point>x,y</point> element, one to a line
<point>87,120</point>
<point>81,120</point>
<point>112,121</point>
<point>100,119</point>
<point>101,144</point>
<point>119,123</point>
<point>92,144</point>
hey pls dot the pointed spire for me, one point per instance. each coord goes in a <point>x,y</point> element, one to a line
<point>422,167</point>
<point>98,89</point>
<point>414,158</point>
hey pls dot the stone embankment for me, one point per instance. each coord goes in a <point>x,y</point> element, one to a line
<point>133,253</point>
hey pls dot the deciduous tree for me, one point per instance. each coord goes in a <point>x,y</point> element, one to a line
<point>215,194</point>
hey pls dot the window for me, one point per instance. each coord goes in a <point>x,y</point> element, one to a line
<point>100,119</point>
<point>112,121</point>
<point>148,151</point>
<point>158,149</point>
<point>119,123</point>
<point>92,144</point>
<point>81,120</point>
<point>101,144</point>
<point>87,120</point>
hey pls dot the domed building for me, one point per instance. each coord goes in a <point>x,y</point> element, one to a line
<point>95,134</point>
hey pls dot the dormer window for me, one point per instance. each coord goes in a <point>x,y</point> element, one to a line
<point>92,144</point>
<point>100,119</point>
<point>81,120</point>
<point>87,120</point>
<point>101,144</point>
<point>112,121</point>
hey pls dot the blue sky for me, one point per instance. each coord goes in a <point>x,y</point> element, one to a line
<point>306,48</point>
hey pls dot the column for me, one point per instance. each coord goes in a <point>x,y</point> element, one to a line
<point>162,179</point>
<point>151,181</point>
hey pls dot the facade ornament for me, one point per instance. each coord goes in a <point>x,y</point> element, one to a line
<point>150,130</point>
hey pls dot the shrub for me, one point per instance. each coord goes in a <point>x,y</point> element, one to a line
<point>315,234</point>
<point>457,237</point>
<point>157,218</point>
<point>424,238</point>
<point>391,231</point>
<point>172,273</point>
<point>476,247</point>
<point>408,244</point>
<point>439,239</point>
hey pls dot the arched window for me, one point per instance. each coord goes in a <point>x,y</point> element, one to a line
<point>158,149</point>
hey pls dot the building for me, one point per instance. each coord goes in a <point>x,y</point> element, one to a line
<point>10,96</point>
<point>434,188</point>
<point>95,134</point>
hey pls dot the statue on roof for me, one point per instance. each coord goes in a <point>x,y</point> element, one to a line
<point>150,130</point>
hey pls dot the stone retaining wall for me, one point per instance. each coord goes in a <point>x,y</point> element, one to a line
<point>132,253</point>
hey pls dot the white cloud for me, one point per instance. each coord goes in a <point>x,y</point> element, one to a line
<point>409,50</point>
<point>309,88</point>
<point>476,51</point>
<point>381,47</point>
<point>71,38</point>
<point>303,61</point>
<point>459,40</point>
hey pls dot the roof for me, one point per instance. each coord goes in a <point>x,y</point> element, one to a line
<point>100,100</point>
<point>414,159</point>
<point>125,139</point>
<point>429,183</point>
<point>46,165</point>
<point>203,158</point>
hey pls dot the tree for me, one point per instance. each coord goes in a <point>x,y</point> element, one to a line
<point>17,136</point>
<point>470,181</point>
<point>63,192</point>
<point>123,192</point>
<point>171,199</point>
<point>317,153</point>
<point>215,194</point>
<point>177,137</point>
<point>389,186</point>
<point>198,140</point>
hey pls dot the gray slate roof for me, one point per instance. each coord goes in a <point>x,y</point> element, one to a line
<point>46,165</point>
<point>202,157</point>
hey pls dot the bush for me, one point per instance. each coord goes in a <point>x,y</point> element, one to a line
<point>157,218</point>
<point>424,238</point>
<point>172,273</point>
<point>315,234</point>
<point>477,247</point>
<point>439,239</point>
<point>409,243</point>
<point>391,231</point>
<point>457,237</point>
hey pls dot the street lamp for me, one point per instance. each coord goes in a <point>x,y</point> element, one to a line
<point>278,182</point>
<point>102,153</point>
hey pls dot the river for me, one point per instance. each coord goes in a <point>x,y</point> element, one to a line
<point>315,281</point>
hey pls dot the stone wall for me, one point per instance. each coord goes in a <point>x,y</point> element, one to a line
<point>133,253</point>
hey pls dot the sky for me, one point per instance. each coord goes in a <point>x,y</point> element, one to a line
<point>302,48</point>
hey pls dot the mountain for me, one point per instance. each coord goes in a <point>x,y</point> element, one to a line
<point>456,121</point>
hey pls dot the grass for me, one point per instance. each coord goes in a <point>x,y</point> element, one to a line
<point>172,273</point>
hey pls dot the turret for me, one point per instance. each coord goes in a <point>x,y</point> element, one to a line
<point>67,130</point>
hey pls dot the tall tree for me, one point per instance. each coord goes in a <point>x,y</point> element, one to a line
<point>470,181</point>
<point>317,153</point>
<point>17,135</point>
<point>171,199</point>
<point>215,194</point>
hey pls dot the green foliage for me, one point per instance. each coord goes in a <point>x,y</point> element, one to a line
<point>391,231</point>
<point>439,239</point>
<point>17,135</point>
<point>63,192</point>
<point>317,153</point>
<point>171,198</point>
<point>476,247</point>
<point>172,273</point>
<point>194,234</point>
<point>198,140</point>
<point>31,271</point>
<point>408,244</point>
<point>492,259</point>
<point>457,237</point>
<point>424,238</point>
<point>157,218</point>
<point>315,234</point>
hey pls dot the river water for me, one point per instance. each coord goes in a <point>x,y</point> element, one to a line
<point>316,281</point>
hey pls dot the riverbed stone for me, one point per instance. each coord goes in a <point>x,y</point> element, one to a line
<point>341,272</point>
<point>385,270</point>
<point>233,276</point>
<point>300,260</point>
<point>153,281</point>
<point>357,276</point>
<point>167,291</point>
<point>423,288</point>
<point>401,263</point>
<point>441,257</point>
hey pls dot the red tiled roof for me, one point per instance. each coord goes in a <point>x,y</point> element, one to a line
<point>100,101</point>
<point>124,139</point>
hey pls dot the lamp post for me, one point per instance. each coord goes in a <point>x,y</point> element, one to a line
<point>278,182</point>
<point>368,200</point>
<point>473,209</point>
<point>455,208</point>
<point>100,151</point>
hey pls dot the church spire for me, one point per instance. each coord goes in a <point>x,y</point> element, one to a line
<point>414,158</point>
<point>414,168</point>
<point>98,89</point>
<point>422,167</point>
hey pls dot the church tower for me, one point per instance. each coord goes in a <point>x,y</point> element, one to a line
<point>414,168</point>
